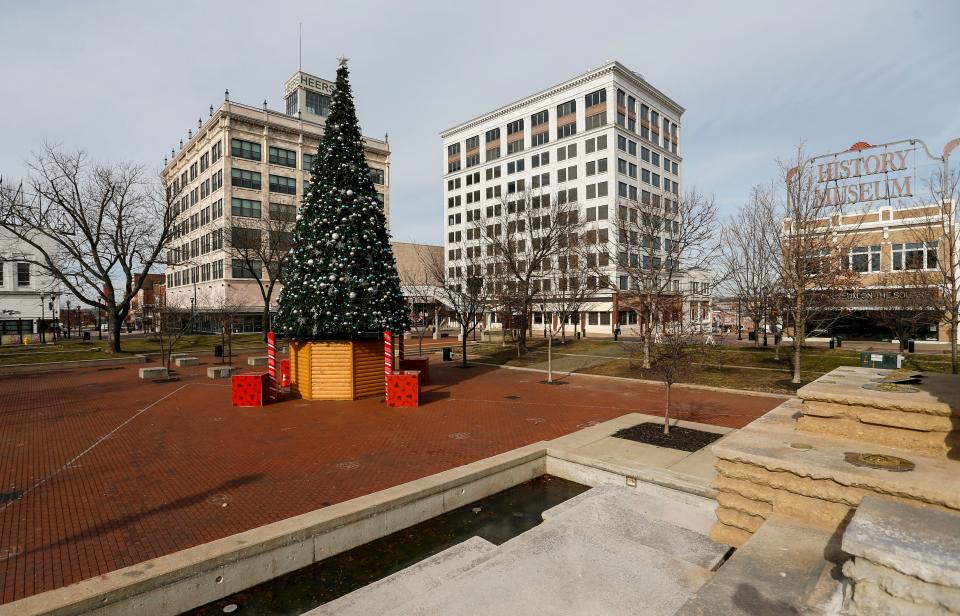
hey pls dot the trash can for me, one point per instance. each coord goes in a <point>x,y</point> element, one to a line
<point>578,335</point>
<point>447,353</point>
<point>218,350</point>
<point>753,336</point>
<point>839,342</point>
<point>86,335</point>
<point>833,343</point>
<point>911,346</point>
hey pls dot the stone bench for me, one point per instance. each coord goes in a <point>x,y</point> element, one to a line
<point>154,372</point>
<point>257,361</point>
<point>220,372</point>
<point>186,361</point>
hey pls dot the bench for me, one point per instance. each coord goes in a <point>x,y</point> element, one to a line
<point>154,372</point>
<point>257,361</point>
<point>220,372</point>
<point>186,361</point>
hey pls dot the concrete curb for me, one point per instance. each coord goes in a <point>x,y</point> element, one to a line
<point>725,390</point>
<point>56,366</point>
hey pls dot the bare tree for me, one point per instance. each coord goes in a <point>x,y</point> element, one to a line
<point>942,226</point>
<point>808,261</point>
<point>174,322</point>
<point>564,292</point>
<point>673,359</point>
<point>464,292</point>
<point>96,228</point>
<point>659,240</point>
<point>263,248</point>
<point>524,232</point>
<point>748,258</point>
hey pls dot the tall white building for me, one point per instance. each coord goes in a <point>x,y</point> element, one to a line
<point>243,167</point>
<point>604,135</point>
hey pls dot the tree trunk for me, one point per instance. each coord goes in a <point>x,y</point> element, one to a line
<point>117,322</point>
<point>266,319</point>
<point>550,358</point>
<point>796,357</point>
<point>463,348</point>
<point>954,321</point>
<point>666,413</point>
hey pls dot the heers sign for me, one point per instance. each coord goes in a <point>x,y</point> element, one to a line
<point>835,190</point>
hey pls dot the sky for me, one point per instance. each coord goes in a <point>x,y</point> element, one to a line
<point>126,80</point>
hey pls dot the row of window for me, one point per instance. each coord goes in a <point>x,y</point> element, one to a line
<point>243,178</point>
<point>196,274</point>
<point>196,247</point>
<point>909,256</point>
<point>567,126</point>
<point>208,214</point>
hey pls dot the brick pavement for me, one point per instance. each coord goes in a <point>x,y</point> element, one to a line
<point>114,470</point>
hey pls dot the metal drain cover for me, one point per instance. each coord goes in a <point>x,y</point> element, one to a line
<point>879,461</point>
<point>511,397</point>
<point>9,497</point>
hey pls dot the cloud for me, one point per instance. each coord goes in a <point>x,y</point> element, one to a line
<point>126,80</point>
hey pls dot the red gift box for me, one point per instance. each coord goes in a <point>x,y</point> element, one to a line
<point>250,389</point>
<point>403,388</point>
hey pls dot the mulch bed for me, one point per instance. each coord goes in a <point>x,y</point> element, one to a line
<point>684,439</point>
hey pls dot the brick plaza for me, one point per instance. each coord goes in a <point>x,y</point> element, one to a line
<point>99,470</point>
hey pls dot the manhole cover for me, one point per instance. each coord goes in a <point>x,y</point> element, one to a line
<point>511,397</point>
<point>9,497</point>
<point>879,461</point>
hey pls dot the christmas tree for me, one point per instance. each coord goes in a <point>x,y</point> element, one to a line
<point>341,278</point>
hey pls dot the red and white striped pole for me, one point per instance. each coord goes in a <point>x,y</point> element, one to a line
<point>387,353</point>
<point>272,366</point>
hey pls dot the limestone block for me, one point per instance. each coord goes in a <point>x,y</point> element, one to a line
<point>823,489</point>
<point>915,541</point>
<point>153,372</point>
<point>934,421</point>
<point>905,587</point>
<point>186,361</point>
<point>746,489</point>
<point>220,372</point>
<point>928,443</point>
<point>257,361</point>
<point>729,535</point>
<point>739,519</point>
<point>870,600</point>
<point>736,502</point>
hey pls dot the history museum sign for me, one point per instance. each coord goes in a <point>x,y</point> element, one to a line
<point>865,173</point>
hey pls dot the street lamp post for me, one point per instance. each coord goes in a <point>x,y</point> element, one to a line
<point>68,319</point>
<point>40,329</point>
<point>739,330</point>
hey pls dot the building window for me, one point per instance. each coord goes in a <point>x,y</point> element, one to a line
<point>308,161</point>
<point>245,149</point>
<point>377,175</point>
<point>244,269</point>
<point>318,104</point>
<point>280,156</point>
<point>216,152</point>
<point>23,274</point>
<point>283,212</point>
<point>245,179</point>
<point>492,135</point>
<point>282,184</point>
<point>292,103</point>
<point>864,259</point>
<point>915,256</point>
<point>245,207</point>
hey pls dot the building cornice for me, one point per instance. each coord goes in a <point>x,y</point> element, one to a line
<point>614,67</point>
<point>265,117</point>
